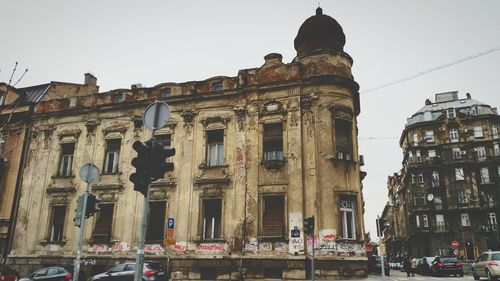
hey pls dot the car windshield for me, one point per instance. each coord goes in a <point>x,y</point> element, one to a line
<point>154,266</point>
<point>449,259</point>
<point>495,257</point>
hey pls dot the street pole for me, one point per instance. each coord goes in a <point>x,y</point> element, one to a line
<point>312,261</point>
<point>76,270</point>
<point>379,232</point>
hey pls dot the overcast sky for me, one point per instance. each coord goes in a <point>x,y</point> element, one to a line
<point>152,42</point>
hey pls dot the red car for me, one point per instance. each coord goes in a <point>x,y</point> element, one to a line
<point>7,273</point>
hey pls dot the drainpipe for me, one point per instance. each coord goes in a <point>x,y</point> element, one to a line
<point>17,193</point>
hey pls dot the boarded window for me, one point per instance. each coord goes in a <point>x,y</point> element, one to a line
<point>343,142</point>
<point>212,212</point>
<point>102,230</point>
<point>215,148</point>
<point>112,156</point>
<point>58,215</point>
<point>156,225</point>
<point>273,141</point>
<point>273,215</point>
<point>67,151</point>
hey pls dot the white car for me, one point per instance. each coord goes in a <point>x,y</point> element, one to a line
<point>487,265</point>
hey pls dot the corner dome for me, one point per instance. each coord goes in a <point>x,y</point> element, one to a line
<point>319,32</point>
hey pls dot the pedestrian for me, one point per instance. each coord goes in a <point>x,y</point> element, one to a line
<point>407,265</point>
<point>413,267</point>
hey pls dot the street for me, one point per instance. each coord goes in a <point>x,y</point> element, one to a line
<point>397,275</point>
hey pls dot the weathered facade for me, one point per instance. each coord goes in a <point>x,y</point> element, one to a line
<point>450,180</point>
<point>255,155</point>
<point>16,109</point>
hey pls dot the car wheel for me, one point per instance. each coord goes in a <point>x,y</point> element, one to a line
<point>474,275</point>
<point>490,277</point>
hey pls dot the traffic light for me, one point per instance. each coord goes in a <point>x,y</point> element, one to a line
<point>309,226</point>
<point>92,208</point>
<point>142,163</point>
<point>158,160</point>
<point>77,221</point>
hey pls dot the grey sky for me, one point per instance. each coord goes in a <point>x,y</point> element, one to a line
<point>151,42</point>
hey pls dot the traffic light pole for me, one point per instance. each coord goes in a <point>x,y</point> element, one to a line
<point>379,232</point>
<point>139,261</point>
<point>76,270</point>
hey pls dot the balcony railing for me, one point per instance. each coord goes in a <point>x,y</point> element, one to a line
<point>487,228</point>
<point>442,227</point>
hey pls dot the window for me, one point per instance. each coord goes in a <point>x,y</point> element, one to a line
<point>438,203</point>
<point>273,141</point>
<point>432,155</point>
<point>451,113</point>
<point>496,149</point>
<point>457,154</point>
<point>417,220</point>
<point>166,93</point>
<point>347,218</point>
<point>485,175</point>
<point>156,224</point>
<point>440,226</point>
<point>494,131</point>
<point>429,136</point>
<point>481,153</point>
<point>454,135</point>
<point>212,213</point>
<point>413,178</point>
<point>2,98</point>
<point>112,156</point>
<point>67,151</point>
<point>117,98</point>
<point>492,219</point>
<point>410,156</point>
<point>104,221</point>
<point>425,221</point>
<point>421,177</point>
<point>215,148</point>
<point>462,197</point>
<point>478,131</point>
<point>57,217</point>
<point>419,200</point>
<point>487,199</point>
<point>273,215</point>
<point>2,143</point>
<point>464,219</point>
<point>459,174</point>
<point>217,87</point>
<point>419,156</point>
<point>415,139</point>
<point>343,139</point>
<point>435,179</point>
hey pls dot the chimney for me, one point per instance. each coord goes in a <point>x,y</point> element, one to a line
<point>273,59</point>
<point>428,102</point>
<point>468,95</point>
<point>90,80</point>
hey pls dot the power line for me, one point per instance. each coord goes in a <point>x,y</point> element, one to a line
<point>494,49</point>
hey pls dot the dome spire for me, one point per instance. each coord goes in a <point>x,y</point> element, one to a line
<point>319,11</point>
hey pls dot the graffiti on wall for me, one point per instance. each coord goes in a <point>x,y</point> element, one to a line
<point>296,242</point>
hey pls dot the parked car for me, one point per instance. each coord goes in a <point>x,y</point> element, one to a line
<point>446,266</point>
<point>7,273</point>
<point>487,265</point>
<point>126,271</point>
<point>53,273</point>
<point>375,265</point>
<point>424,265</point>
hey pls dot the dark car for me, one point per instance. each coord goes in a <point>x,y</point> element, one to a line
<point>446,266</point>
<point>53,273</point>
<point>424,266</point>
<point>375,265</point>
<point>126,271</point>
<point>7,273</point>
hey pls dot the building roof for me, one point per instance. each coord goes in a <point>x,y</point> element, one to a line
<point>33,94</point>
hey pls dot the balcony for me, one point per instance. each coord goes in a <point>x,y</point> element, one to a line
<point>487,228</point>
<point>441,227</point>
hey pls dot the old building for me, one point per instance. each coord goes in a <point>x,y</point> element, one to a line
<point>449,185</point>
<point>256,154</point>
<point>16,108</point>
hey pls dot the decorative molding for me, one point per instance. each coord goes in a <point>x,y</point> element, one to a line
<point>273,164</point>
<point>272,107</point>
<point>47,132</point>
<point>138,123</point>
<point>212,192</point>
<point>91,126</point>
<point>119,128</point>
<point>59,190</point>
<point>306,101</point>
<point>188,116</point>
<point>69,135</point>
<point>163,183</point>
<point>342,112</point>
<point>240,112</point>
<point>211,181</point>
<point>107,187</point>
<point>215,122</point>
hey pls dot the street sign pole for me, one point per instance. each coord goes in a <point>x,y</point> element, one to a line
<point>156,116</point>
<point>88,173</point>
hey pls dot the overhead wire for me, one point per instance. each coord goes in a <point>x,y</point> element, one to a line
<point>413,76</point>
